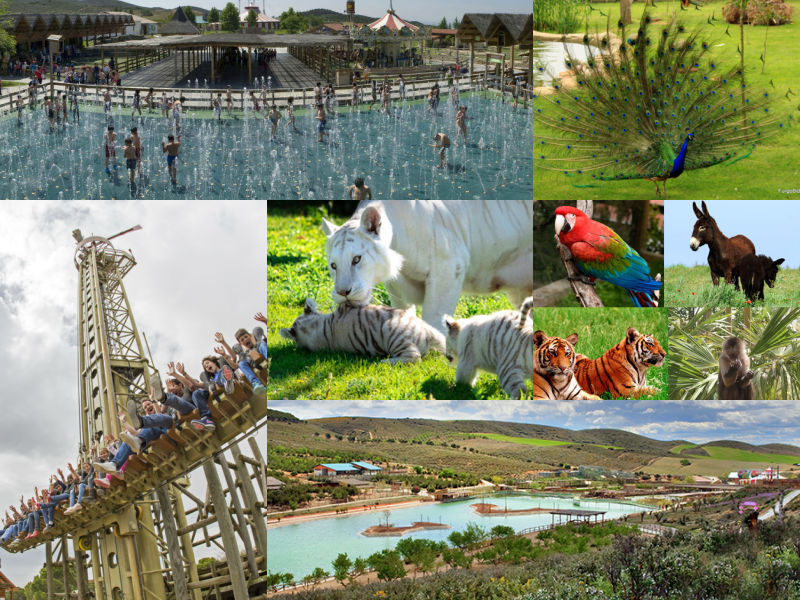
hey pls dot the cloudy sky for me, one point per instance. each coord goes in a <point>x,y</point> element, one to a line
<point>754,422</point>
<point>201,269</point>
<point>414,10</point>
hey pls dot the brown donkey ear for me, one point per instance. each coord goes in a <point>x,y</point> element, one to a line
<point>697,212</point>
<point>779,261</point>
<point>705,208</point>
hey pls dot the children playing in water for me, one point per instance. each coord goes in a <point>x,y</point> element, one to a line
<point>441,143</point>
<point>274,116</point>
<point>129,152</point>
<point>386,94</point>
<point>359,191</point>
<point>171,148</point>
<point>107,102</point>
<point>164,105</point>
<point>19,108</point>
<point>149,100</point>
<point>137,144</point>
<point>461,123</point>
<point>321,121</point>
<point>290,111</point>
<point>137,104</point>
<point>217,105</point>
<point>354,101</point>
<point>50,111</point>
<point>254,100</point>
<point>109,140</point>
<point>229,100</point>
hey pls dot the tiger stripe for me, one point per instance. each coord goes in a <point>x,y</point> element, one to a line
<point>622,369</point>
<point>554,376</point>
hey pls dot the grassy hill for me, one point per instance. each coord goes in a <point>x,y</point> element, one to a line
<point>95,6</point>
<point>479,447</point>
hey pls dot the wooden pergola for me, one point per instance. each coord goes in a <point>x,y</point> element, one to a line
<point>7,588</point>
<point>29,28</point>
<point>577,516</point>
<point>195,49</point>
<point>498,29</point>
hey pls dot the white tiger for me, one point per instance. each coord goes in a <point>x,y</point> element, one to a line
<point>428,251</point>
<point>501,343</point>
<point>371,330</point>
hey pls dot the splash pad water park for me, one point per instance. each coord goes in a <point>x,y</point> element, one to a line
<point>232,153</point>
<point>235,157</point>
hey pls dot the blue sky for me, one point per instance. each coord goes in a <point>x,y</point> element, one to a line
<point>770,224</point>
<point>416,10</point>
<point>758,422</point>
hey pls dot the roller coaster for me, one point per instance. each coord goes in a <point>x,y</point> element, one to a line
<point>137,540</point>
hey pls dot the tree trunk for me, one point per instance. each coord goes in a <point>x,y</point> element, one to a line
<point>625,11</point>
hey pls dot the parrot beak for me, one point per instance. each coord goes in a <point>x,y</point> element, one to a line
<point>561,225</point>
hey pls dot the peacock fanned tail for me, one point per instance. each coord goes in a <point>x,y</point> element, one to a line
<point>652,104</point>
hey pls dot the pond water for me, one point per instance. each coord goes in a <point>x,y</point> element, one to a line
<point>550,59</point>
<point>301,547</point>
<point>234,158</point>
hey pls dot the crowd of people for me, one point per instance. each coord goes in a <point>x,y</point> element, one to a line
<point>139,426</point>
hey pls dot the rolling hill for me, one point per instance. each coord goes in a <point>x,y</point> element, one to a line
<point>95,6</point>
<point>482,447</point>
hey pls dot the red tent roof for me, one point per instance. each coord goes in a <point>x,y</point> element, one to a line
<point>392,21</point>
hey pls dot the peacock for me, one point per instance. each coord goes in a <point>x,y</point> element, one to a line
<point>649,106</point>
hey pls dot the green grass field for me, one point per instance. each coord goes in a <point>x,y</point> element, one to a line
<point>599,329</point>
<point>691,286</point>
<point>538,442</point>
<point>779,156</point>
<point>723,453</point>
<point>523,440</point>
<point>681,447</point>
<point>296,270</point>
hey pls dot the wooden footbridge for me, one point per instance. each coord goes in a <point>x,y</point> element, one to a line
<point>137,540</point>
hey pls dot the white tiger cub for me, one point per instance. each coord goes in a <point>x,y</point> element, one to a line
<point>501,343</point>
<point>371,330</point>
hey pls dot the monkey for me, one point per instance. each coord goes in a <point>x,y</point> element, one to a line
<point>735,379</point>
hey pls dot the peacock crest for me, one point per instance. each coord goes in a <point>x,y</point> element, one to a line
<point>650,103</point>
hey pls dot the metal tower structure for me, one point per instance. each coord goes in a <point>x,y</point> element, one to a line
<point>113,369</point>
<point>137,540</point>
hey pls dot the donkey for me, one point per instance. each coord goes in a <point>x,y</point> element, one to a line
<point>723,252</point>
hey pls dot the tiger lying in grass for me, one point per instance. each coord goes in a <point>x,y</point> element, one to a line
<point>554,369</point>
<point>371,330</point>
<point>501,343</point>
<point>621,370</point>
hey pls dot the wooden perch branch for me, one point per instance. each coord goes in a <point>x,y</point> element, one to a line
<point>583,291</point>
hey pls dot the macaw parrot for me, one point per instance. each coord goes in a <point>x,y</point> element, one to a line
<point>600,253</point>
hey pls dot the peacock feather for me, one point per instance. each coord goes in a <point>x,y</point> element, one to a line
<point>652,104</point>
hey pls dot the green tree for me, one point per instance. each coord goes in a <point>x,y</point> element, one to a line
<point>229,18</point>
<point>319,574</point>
<point>443,24</point>
<point>341,567</point>
<point>293,22</point>
<point>502,531</point>
<point>8,42</point>
<point>387,564</point>
<point>187,10</point>
<point>685,462</point>
<point>456,558</point>
<point>359,568</point>
<point>213,15</point>
<point>252,18</point>
<point>37,588</point>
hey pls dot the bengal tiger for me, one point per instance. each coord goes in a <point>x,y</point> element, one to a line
<point>553,369</point>
<point>501,342</point>
<point>372,330</point>
<point>621,370</point>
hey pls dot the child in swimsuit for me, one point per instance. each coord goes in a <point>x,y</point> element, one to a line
<point>129,152</point>
<point>274,117</point>
<point>217,103</point>
<point>171,148</point>
<point>290,111</point>
<point>321,121</point>
<point>109,137</point>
